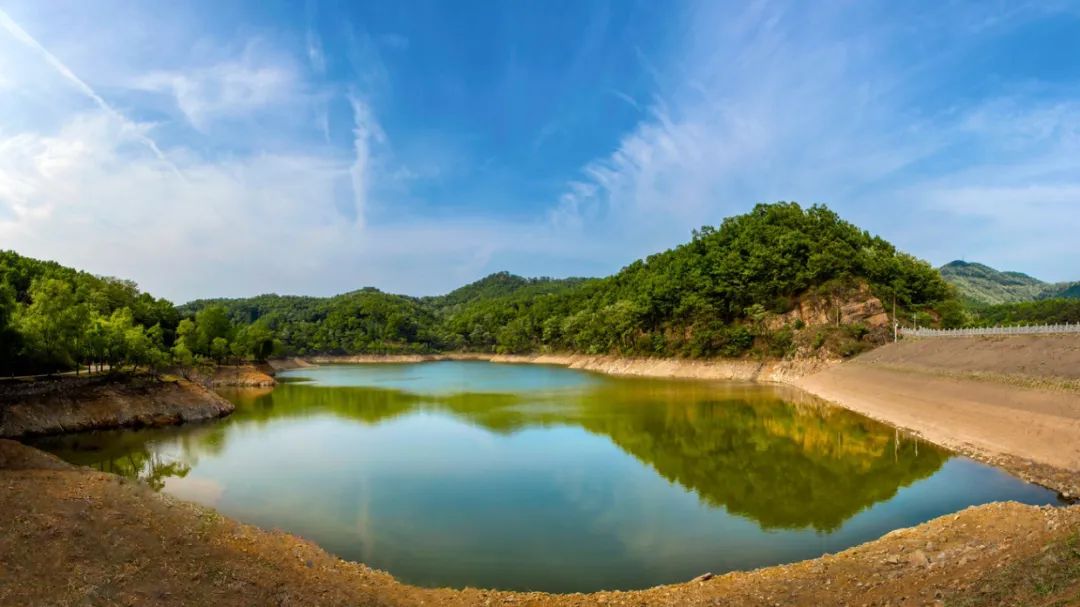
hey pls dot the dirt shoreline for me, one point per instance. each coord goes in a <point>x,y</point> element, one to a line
<point>74,536</point>
<point>112,541</point>
<point>775,371</point>
<point>72,404</point>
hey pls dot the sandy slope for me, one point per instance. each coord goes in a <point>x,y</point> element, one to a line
<point>1007,400</point>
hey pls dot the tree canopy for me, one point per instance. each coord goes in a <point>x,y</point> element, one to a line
<point>712,296</point>
<point>708,297</point>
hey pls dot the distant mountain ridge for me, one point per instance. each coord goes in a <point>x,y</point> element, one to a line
<point>979,284</point>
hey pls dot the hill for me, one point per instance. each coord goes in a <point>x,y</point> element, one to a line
<point>981,285</point>
<point>725,292</point>
<point>53,317</point>
<point>501,284</point>
<point>769,282</point>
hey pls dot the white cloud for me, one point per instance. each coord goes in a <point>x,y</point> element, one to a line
<point>758,106</point>
<point>366,132</point>
<point>227,89</point>
<point>135,130</point>
<point>84,197</point>
<point>772,103</point>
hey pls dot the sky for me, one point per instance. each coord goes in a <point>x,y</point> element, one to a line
<point>222,148</point>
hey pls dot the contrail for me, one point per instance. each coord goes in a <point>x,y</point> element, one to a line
<point>22,36</point>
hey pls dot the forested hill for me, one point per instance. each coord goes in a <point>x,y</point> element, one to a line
<point>502,284</point>
<point>981,285</point>
<point>712,296</point>
<point>724,293</point>
<point>52,316</point>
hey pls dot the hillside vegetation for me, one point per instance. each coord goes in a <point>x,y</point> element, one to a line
<point>713,296</point>
<point>52,317</point>
<point>730,291</point>
<point>980,285</point>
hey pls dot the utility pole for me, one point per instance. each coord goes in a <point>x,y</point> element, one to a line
<point>895,322</point>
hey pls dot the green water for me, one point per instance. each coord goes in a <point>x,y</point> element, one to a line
<point>545,478</point>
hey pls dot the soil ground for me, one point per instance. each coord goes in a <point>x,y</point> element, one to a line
<point>72,536</point>
<point>68,404</point>
<point>250,375</point>
<point>1005,400</point>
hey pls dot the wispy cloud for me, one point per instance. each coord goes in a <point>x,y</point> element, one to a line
<point>316,57</point>
<point>130,128</point>
<point>765,108</point>
<point>756,102</point>
<point>231,88</point>
<point>366,133</point>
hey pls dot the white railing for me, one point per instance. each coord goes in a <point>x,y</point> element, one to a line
<point>1017,330</point>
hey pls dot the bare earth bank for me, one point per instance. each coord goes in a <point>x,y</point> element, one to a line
<point>72,404</point>
<point>716,369</point>
<point>1004,400</point>
<point>247,375</point>
<point>73,536</point>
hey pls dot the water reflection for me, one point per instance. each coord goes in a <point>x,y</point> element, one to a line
<point>445,474</point>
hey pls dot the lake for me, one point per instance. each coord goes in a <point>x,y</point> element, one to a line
<point>531,477</point>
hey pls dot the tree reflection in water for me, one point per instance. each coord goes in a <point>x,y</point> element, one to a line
<point>774,456</point>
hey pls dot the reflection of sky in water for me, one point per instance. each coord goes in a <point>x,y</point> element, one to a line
<point>546,478</point>
<point>448,377</point>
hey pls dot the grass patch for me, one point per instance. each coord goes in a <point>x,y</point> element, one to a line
<point>1050,578</point>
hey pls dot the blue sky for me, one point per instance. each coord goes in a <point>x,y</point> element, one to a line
<point>231,148</point>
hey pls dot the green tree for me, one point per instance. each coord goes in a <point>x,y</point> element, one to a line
<point>10,339</point>
<point>219,349</point>
<point>53,323</point>
<point>212,323</point>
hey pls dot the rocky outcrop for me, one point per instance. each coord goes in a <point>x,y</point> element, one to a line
<point>94,403</point>
<point>243,376</point>
<point>259,375</point>
<point>284,364</point>
<point>855,305</point>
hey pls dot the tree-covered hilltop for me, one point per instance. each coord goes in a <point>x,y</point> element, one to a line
<point>980,285</point>
<point>727,292</point>
<point>501,284</point>
<point>714,296</point>
<point>362,321</point>
<point>54,318</point>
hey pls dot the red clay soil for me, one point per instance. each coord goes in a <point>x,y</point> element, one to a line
<point>72,536</point>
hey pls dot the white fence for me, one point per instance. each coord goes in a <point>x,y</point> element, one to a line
<point>1019,330</point>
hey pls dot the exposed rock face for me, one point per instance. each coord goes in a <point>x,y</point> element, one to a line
<point>858,305</point>
<point>75,404</point>
<point>260,375</point>
<point>245,376</point>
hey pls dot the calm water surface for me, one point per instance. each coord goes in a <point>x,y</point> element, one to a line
<point>545,478</point>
